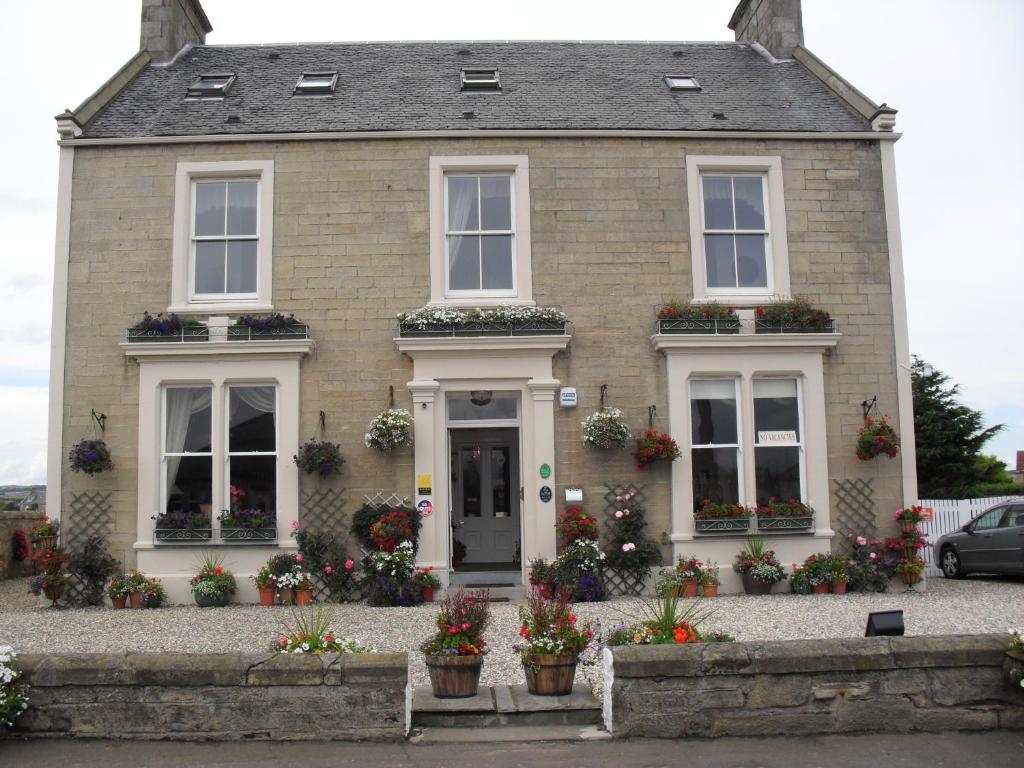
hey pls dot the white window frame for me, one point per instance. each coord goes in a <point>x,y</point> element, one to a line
<point>737,446</point>
<point>226,441</point>
<point>777,245</point>
<point>800,443</point>
<point>165,454</point>
<point>183,298</point>
<point>518,167</point>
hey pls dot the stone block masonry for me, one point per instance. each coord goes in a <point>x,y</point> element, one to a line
<point>216,697</point>
<point>805,687</point>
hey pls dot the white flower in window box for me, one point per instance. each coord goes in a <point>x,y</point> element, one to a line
<point>606,428</point>
<point>389,430</point>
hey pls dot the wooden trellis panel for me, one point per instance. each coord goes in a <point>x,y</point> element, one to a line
<point>854,513</point>
<point>88,515</point>
<point>618,584</point>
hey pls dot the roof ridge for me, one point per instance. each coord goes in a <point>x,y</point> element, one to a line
<point>297,44</point>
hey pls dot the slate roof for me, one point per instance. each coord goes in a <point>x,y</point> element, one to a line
<point>415,86</point>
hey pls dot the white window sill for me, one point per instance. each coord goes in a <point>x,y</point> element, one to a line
<point>740,299</point>
<point>205,308</point>
<point>482,302</point>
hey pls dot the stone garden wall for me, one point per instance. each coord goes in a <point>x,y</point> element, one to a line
<point>218,697</point>
<point>802,687</point>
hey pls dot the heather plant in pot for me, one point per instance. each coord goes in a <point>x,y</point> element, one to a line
<point>455,654</point>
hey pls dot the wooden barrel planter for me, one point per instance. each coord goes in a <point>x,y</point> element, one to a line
<point>754,587</point>
<point>550,675</point>
<point>454,677</point>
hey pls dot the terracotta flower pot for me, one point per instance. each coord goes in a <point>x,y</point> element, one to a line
<point>820,589</point>
<point>550,675</point>
<point>688,588</point>
<point>838,587</point>
<point>287,596</point>
<point>303,597</point>
<point>754,587</point>
<point>266,596</point>
<point>427,594</point>
<point>454,677</point>
<point>908,526</point>
<point>119,602</point>
<point>137,598</point>
<point>710,590</point>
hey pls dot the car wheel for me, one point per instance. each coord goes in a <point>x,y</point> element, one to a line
<point>951,567</point>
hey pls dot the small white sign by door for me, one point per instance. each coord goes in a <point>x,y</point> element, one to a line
<point>779,436</point>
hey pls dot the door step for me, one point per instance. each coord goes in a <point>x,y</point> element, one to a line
<point>500,593</point>
<point>507,707</point>
<point>513,733</point>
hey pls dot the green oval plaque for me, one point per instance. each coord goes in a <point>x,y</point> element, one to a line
<point>545,471</point>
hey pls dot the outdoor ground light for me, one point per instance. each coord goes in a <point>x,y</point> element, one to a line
<point>884,623</point>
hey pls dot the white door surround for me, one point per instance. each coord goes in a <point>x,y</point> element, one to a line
<point>520,365</point>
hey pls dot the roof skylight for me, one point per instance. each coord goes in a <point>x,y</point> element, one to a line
<point>682,83</point>
<point>480,80</point>
<point>211,86</point>
<point>316,83</point>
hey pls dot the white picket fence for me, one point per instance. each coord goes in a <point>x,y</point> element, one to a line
<point>951,515</point>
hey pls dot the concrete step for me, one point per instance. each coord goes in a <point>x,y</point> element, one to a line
<point>505,706</point>
<point>507,734</point>
<point>499,594</point>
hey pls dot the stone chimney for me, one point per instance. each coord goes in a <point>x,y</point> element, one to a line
<point>777,25</point>
<point>170,25</point>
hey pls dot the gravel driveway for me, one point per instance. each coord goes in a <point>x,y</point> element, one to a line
<point>974,605</point>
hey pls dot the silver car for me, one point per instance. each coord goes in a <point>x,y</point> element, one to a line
<point>993,542</point>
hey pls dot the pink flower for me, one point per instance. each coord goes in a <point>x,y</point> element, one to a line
<point>873,556</point>
<point>465,625</point>
<point>350,564</point>
<point>328,569</point>
<point>618,514</point>
<point>282,641</point>
<point>861,541</point>
<point>295,525</point>
<point>453,630</point>
<point>298,558</point>
<point>628,547</point>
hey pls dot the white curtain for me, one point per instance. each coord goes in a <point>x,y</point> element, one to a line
<point>182,402</point>
<point>263,399</point>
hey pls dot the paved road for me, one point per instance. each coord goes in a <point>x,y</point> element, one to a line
<point>950,750</point>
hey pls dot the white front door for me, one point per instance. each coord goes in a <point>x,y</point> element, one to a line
<point>484,465</point>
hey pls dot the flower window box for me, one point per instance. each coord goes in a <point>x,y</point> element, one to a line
<point>797,316</point>
<point>792,515</point>
<point>241,534</point>
<point>182,527</point>
<point>170,329</point>
<point>785,523</point>
<point>722,525</point>
<point>267,328</point>
<point>434,322</point>
<point>182,535</point>
<point>706,317</point>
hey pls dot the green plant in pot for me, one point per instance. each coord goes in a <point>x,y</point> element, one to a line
<point>552,641</point>
<point>213,586</point>
<point>455,654</point>
<point>758,567</point>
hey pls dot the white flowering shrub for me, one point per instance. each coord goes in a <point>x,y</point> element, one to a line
<point>13,695</point>
<point>389,430</point>
<point>606,428</point>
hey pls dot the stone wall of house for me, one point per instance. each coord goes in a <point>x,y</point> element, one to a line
<point>215,697</point>
<point>610,241</point>
<point>805,687</point>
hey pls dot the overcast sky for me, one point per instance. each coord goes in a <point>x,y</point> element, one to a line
<point>953,68</point>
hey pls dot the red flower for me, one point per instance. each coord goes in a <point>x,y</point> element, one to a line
<point>218,570</point>
<point>759,311</point>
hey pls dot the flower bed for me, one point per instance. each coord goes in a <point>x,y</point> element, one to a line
<point>505,320</point>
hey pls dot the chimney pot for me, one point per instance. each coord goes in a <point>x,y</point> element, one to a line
<point>170,25</point>
<point>777,25</point>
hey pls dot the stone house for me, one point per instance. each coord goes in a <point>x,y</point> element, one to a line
<point>346,183</point>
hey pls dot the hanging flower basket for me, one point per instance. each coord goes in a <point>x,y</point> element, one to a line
<point>389,430</point>
<point>652,446</point>
<point>90,456</point>
<point>875,438</point>
<point>607,428</point>
<point>319,457</point>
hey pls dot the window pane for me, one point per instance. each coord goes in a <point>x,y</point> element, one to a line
<point>470,461</point>
<point>187,418</point>
<point>189,483</point>
<point>463,263</point>
<point>256,477</point>
<point>715,475</point>
<point>497,262</point>
<point>776,410</point>
<point>463,214</point>
<point>778,473</point>
<point>713,420</point>
<point>750,261</point>
<point>495,202</point>
<point>251,426</point>
<point>210,266</point>
<point>718,202</point>
<point>464,409</point>
<point>990,519</point>
<point>241,275</point>
<point>209,208</point>
<point>242,208</point>
<point>501,482</point>
<point>720,260</point>
<point>749,202</point>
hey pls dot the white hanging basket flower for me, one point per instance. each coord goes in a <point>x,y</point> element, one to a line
<point>389,430</point>
<point>606,428</point>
